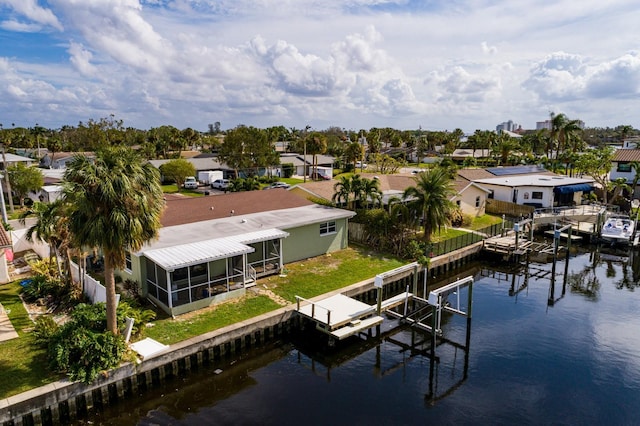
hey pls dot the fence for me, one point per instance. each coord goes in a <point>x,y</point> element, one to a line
<point>451,244</point>
<point>91,288</point>
<point>498,207</point>
<point>20,243</point>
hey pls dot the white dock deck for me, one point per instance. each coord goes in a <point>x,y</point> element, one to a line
<point>341,316</point>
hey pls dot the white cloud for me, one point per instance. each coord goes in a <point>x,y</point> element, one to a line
<point>81,59</point>
<point>488,49</point>
<point>21,27</point>
<point>566,77</point>
<point>32,11</point>
<point>348,63</point>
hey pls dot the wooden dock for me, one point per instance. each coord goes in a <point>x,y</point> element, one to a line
<point>507,245</point>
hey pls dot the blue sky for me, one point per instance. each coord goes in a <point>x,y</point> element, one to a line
<point>440,65</point>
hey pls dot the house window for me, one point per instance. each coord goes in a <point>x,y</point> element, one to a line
<point>624,167</point>
<point>328,228</point>
<point>477,201</point>
<point>127,261</point>
<point>536,195</point>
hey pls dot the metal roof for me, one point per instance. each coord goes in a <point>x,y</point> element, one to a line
<point>258,236</point>
<point>171,258</point>
<point>532,180</point>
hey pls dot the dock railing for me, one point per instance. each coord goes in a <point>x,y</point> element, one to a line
<point>313,308</point>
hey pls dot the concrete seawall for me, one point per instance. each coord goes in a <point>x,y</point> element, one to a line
<point>63,401</point>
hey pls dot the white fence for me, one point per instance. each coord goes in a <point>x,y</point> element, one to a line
<point>91,288</point>
<point>20,243</point>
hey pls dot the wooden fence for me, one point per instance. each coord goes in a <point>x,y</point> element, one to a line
<point>506,208</point>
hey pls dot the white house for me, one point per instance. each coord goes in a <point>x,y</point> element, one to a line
<point>622,166</point>
<point>538,190</point>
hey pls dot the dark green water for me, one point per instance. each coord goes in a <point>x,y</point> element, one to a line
<point>570,356</point>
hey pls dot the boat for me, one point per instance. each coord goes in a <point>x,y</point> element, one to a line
<point>618,229</point>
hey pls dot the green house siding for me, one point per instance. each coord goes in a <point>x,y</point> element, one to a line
<point>136,273</point>
<point>305,241</point>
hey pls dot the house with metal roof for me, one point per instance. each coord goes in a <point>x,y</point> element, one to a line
<point>538,190</point>
<point>213,248</point>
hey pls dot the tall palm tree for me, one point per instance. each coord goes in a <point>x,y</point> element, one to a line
<point>316,144</point>
<point>117,202</point>
<point>430,198</point>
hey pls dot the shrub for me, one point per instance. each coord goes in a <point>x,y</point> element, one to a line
<point>287,170</point>
<point>37,288</point>
<point>44,329</point>
<point>82,348</point>
<point>467,220</point>
<point>83,354</point>
<point>140,317</point>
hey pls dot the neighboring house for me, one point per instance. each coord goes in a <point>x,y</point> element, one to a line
<point>459,155</point>
<point>212,248</point>
<point>13,159</point>
<point>304,164</point>
<point>47,194</point>
<point>538,190</point>
<point>59,160</point>
<point>621,166</point>
<point>201,164</point>
<point>469,196</point>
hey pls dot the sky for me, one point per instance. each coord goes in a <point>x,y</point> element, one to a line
<point>353,64</point>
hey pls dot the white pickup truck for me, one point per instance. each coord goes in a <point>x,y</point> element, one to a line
<point>190,183</point>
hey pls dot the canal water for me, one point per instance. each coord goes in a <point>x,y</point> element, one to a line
<point>540,351</point>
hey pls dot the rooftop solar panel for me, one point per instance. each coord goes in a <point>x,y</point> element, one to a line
<point>515,170</point>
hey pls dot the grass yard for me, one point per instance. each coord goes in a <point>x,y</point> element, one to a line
<point>23,365</point>
<point>312,277</point>
<point>169,330</point>
<point>173,189</point>
<point>484,221</point>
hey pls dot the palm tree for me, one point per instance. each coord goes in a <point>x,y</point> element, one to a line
<point>316,143</point>
<point>117,202</point>
<point>635,166</point>
<point>346,187</point>
<point>431,199</point>
<point>370,192</point>
<point>50,227</point>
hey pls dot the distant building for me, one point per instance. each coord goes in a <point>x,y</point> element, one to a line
<point>509,126</point>
<point>546,124</point>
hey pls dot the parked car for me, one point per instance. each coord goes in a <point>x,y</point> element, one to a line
<point>221,184</point>
<point>360,164</point>
<point>277,185</point>
<point>190,183</point>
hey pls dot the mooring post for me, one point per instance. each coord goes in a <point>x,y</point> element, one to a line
<point>566,263</point>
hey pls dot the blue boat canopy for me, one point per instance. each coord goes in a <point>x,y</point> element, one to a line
<point>570,189</point>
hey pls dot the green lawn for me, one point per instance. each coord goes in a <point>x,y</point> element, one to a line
<point>484,221</point>
<point>330,272</point>
<point>23,365</point>
<point>169,330</point>
<point>173,189</point>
